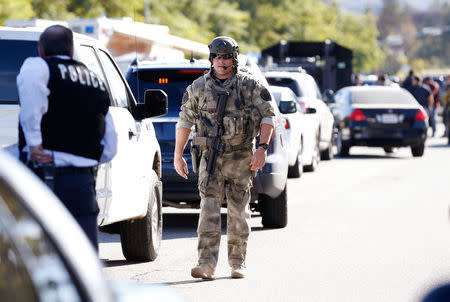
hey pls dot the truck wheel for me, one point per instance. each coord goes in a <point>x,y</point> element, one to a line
<point>328,153</point>
<point>296,170</point>
<point>274,211</point>
<point>345,150</point>
<point>390,150</point>
<point>141,238</point>
<point>418,150</point>
<point>315,159</point>
<point>338,141</point>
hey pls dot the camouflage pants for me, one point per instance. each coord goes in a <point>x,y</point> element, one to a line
<point>231,181</point>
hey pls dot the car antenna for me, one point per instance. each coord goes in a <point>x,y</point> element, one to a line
<point>192,60</point>
<point>136,60</point>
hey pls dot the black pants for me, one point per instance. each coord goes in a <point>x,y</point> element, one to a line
<point>76,190</point>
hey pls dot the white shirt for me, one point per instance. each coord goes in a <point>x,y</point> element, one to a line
<point>32,84</point>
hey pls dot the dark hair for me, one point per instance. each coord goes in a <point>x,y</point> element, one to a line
<point>426,79</point>
<point>417,78</point>
<point>56,40</point>
<point>411,72</point>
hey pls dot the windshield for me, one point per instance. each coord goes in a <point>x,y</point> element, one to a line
<point>381,96</point>
<point>285,82</point>
<point>172,81</point>
<point>10,62</point>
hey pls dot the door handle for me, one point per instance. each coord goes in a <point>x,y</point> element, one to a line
<point>131,134</point>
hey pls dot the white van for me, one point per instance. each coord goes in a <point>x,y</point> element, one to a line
<point>129,188</point>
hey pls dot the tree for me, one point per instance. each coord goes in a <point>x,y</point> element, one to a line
<point>54,10</point>
<point>390,18</point>
<point>18,9</point>
<point>360,35</point>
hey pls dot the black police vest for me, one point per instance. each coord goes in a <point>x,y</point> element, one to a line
<point>77,105</point>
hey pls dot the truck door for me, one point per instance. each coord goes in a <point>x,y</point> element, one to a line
<point>128,191</point>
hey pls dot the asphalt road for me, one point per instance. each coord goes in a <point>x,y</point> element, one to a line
<point>371,227</point>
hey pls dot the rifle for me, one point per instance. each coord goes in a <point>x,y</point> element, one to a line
<point>216,146</point>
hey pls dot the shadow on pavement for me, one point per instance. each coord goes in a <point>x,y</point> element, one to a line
<point>184,225</point>
<point>371,156</point>
<point>108,238</point>
<point>193,281</point>
<point>114,263</point>
<point>177,226</point>
<point>440,146</point>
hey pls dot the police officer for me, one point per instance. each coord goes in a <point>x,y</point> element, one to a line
<point>64,124</point>
<point>248,112</point>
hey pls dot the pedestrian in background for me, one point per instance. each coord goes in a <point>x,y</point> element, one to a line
<point>248,112</point>
<point>356,80</point>
<point>434,87</point>
<point>422,94</point>
<point>381,81</point>
<point>65,127</point>
<point>446,112</point>
<point>408,82</point>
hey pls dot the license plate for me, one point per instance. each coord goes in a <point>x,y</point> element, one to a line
<point>389,118</point>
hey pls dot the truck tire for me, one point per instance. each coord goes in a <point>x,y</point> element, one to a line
<point>327,154</point>
<point>274,210</point>
<point>296,170</point>
<point>141,238</point>
<point>418,150</point>
<point>345,150</point>
<point>316,158</point>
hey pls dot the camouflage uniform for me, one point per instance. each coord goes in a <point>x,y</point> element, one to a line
<point>248,105</point>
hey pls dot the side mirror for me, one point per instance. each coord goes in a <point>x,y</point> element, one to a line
<point>155,104</point>
<point>288,107</point>
<point>311,110</point>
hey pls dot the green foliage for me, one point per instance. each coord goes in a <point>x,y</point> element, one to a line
<point>255,24</point>
<point>54,10</point>
<point>390,18</point>
<point>18,9</point>
<point>359,34</point>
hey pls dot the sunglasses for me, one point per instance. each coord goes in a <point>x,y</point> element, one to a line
<point>224,56</point>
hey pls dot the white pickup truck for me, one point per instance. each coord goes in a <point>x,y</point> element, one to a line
<point>129,188</point>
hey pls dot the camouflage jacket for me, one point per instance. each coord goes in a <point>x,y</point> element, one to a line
<point>248,106</point>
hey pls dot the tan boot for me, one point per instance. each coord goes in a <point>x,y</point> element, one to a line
<point>204,271</point>
<point>238,271</point>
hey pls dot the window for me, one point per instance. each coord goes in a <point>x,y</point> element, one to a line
<point>31,268</point>
<point>117,87</point>
<point>342,97</point>
<point>286,82</point>
<point>10,63</point>
<point>172,81</point>
<point>307,86</point>
<point>317,90</point>
<point>86,54</point>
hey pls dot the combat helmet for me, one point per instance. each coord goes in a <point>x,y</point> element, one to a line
<point>223,44</point>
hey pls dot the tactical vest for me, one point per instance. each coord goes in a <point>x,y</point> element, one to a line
<point>77,106</point>
<point>241,121</point>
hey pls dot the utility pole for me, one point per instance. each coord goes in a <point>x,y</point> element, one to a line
<point>147,11</point>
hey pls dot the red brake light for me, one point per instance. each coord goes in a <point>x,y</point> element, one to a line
<point>357,115</point>
<point>286,124</point>
<point>421,115</point>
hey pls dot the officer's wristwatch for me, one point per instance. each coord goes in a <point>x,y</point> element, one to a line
<point>264,145</point>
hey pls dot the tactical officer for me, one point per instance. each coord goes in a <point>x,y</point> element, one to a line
<point>228,108</point>
<point>64,124</point>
